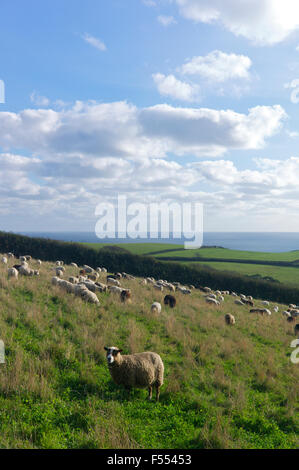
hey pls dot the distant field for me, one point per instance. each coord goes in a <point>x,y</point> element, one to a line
<point>168,249</point>
<point>285,274</point>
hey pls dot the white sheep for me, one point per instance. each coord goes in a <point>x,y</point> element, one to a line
<point>156,307</point>
<point>140,370</point>
<point>4,260</point>
<point>12,272</point>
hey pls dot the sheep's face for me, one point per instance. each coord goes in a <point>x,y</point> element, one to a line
<point>112,353</point>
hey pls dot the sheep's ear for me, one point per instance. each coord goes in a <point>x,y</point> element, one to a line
<point>105,347</point>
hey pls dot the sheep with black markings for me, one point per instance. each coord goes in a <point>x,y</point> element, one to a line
<point>139,370</point>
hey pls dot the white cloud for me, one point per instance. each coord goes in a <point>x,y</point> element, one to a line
<point>264,22</point>
<point>203,131</point>
<point>38,100</point>
<point>95,42</point>
<point>218,66</point>
<point>166,20</point>
<point>121,130</point>
<point>169,85</point>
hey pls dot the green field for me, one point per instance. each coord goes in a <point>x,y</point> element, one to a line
<point>225,387</point>
<point>285,274</point>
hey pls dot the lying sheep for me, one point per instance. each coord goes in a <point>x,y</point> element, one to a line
<point>170,300</point>
<point>140,370</point>
<point>156,307</point>
<point>13,272</point>
<point>229,319</point>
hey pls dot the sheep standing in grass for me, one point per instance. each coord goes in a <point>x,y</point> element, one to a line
<point>140,370</point>
<point>229,319</point>
<point>170,300</point>
<point>156,307</point>
<point>13,272</point>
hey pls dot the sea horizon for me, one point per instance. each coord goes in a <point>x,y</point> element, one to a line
<point>247,241</point>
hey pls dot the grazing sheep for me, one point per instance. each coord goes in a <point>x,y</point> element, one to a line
<point>210,300</point>
<point>158,287</point>
<point>25,271</point>
<point>113,282</point>
<point>13,272</point>
<point>239,302</point>
<point>229,319</point>
<point>170,300</point>
<point>10,255</point>
<point>140,370</point>
<point>89,296</point>
<point>248,302</point>
<point>125,295</point>
<point>88,269</point>
<point>39,262</point>
<point>276,308</point>
<point>296,329</point>
<point>73,280</point>
<point>74,265</point>
<point>93,277</point>
<point>4,260</point>
<point>59,263</point>
<point>286,314</point>
<point>265,302</point>
<point>261,311</point>
<point>156,307</point>
<point>115,289</point>
<point>59,272</point>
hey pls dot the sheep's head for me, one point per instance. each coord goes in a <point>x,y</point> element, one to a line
<point>112,353</point>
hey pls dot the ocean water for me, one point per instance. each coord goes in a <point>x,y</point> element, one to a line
<point>250,241</point>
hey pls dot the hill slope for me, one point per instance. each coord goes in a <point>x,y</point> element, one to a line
<point>225,387</point>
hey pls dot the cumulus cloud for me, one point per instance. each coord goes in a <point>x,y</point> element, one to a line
<point>205,131</point>
<point>80,156</point>
<point>166,20</point>
<point>264,22</point>
<point>121,130</point>
<point>169,85</point>
<point>218,66</point>
<point>95,42</point>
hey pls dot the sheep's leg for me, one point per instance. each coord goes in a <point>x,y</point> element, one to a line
<point>157,392</point>
<point>150,393</point>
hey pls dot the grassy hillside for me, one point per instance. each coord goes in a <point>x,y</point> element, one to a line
<point>225,387</point>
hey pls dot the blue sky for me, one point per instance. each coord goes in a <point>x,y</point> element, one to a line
<point>165,100</point>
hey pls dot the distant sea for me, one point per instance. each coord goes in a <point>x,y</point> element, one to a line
<point>250,241</point>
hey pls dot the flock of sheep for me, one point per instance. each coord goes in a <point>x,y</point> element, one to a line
<point>139,370</point>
